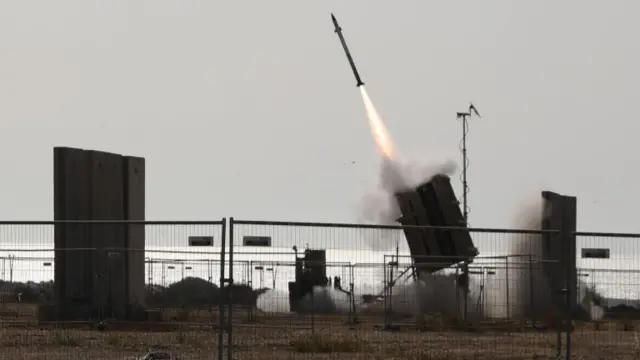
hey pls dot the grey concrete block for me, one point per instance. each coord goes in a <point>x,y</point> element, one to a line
<point>107,203</point>
<point>71,202</point>
<point>134,209</point>
<point>107,281</point>
<point>560,214</point>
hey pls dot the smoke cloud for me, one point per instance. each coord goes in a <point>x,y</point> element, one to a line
<point>379,205</point>
<point>529,294</point>
<point>274,301</point>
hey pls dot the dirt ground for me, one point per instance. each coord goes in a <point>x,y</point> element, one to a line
<point>310,337</point>
<point>327,342</point>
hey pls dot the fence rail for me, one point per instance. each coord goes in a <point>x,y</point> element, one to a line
<point>368,296</point>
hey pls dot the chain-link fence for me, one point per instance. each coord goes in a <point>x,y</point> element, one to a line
<point>608,292</point>
<point>357,292</point>
<point>68,291</point>
<point>302,290</point>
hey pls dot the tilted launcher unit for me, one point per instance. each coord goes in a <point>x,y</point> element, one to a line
<point>434,204</point>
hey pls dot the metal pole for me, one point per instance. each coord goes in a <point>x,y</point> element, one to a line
<point>230,280</point>
<point>210,270</point>
<point>150,279</point>
<point>507,284</point>
<point>353,294</point>
<point>163,273</point>
<point>313,312</point>
<point>466,292</point>
<point>531,292</point>
<point>221,322</point>
<point>273,274</point>
<point>465,188</point>
<point>11,257</point>
<point>569,300</point>
<point>465,161</point>
<point>250,270</point>
<point>457,292</point>
<point>385,291</point>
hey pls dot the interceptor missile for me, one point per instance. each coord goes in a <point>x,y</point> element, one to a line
<point>346,51</point>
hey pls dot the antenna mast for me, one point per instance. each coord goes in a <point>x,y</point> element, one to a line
<point>465,161</point>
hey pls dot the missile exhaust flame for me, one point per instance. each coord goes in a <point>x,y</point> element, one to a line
<point>379,131</point>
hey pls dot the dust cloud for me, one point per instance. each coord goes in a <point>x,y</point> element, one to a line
<point>274,301</point>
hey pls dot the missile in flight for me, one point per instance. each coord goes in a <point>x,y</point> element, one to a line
<point>338,30</point>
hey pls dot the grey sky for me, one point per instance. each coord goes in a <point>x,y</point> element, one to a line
<point>249,109</point>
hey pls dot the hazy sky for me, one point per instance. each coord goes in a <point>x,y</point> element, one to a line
<point>249,109</point>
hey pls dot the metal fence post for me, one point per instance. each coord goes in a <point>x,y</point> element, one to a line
<point>466,292</point>
<point>531,293</point>
<point>559,293</point>
<point>230,281</point>
<point>250,281</point>
<point>507,286</point>
<point>459,311</point>
<point>352,297</point>
<point>221,322</point>
<point>569,293</point>
<point>569,250</point>
<point>385,292</point>
<point>313,312</point>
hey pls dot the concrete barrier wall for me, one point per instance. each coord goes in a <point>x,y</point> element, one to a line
<point>72,202</point>
<point>560,214</point>
<point>134,207</point>
<point>95,185</point>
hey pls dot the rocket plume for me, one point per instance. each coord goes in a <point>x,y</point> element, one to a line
<point>379,131</point>
<point>379,205</point>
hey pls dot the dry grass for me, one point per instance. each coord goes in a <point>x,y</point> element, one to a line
<point>327,342</point>
<point>272,336</point>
